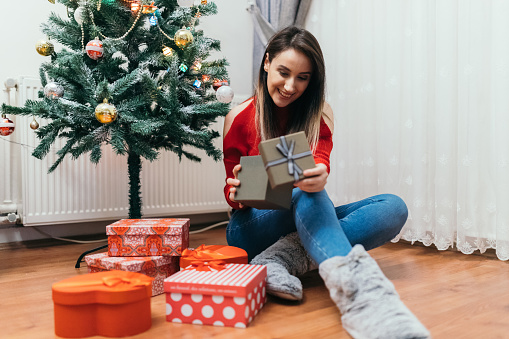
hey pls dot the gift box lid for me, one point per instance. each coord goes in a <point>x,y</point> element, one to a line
<point>235,280</point>
<point>102,260</point>
<point>109,287</point>
<point>148,226</point>
<point>286,158</point>
<point>230,254</point>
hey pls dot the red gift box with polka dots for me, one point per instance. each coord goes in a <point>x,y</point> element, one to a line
<point>231,297</point>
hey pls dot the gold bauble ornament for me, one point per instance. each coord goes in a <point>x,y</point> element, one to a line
<point>44,47</point>
<point>105,113</point>
<point>34,124</point>
<point>52,1</point>
<point>183,37</point>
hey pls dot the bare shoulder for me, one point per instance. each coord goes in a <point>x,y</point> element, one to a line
<point>328,116</point>
<point>228,121</point>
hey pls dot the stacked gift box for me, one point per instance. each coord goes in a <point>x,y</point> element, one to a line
<point>158,267</point>
<point>147,237</point>
<point>148,246</point>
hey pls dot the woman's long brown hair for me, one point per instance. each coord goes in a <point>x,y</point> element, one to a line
<point>306,111</point>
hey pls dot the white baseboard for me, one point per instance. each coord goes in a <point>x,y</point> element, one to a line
<point>18,233</point>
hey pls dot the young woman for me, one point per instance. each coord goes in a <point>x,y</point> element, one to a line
<point>290,97</point>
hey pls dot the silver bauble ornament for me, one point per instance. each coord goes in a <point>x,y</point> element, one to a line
<point>53,90</point>
<point>80,14</point>
<point>224,94</point>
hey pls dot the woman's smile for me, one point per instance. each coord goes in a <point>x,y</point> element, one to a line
<point>288,76</point>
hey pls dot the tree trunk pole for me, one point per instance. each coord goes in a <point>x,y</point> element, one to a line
<point>134,169</point>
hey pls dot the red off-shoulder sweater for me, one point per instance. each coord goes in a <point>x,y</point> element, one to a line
<point>242,139</point>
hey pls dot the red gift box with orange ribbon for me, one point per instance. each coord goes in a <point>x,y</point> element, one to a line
<point>216,293</point>
<point>228,254</point>
<point>111,304</point>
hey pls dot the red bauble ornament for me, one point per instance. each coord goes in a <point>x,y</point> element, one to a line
<point>6,126</point>
<point>95,49</point>
<point>218,83</point>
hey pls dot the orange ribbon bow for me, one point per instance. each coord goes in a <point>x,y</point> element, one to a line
<point>211,265</point>
<point>228,254</point>
<point>201,253</point>
<point>110,282</point>
<point>115,281</point>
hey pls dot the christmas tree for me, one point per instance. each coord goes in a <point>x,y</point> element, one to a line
<point>132,74</point>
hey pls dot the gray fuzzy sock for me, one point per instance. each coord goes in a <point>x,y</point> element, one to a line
<point>368,301</point>
<point>285,260</point>
<point>282,284</point>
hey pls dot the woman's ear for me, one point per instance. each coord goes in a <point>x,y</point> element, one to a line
<point>266,62</point>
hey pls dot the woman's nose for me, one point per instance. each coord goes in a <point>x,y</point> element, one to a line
<point>289,85</point>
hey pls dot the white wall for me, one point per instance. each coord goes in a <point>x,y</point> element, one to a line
<point>233,27</point>
<point>20,31</point>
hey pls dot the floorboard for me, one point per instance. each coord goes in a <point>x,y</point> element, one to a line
<point>454,295</point>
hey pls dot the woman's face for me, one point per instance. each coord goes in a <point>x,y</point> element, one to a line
<point>288,76</point>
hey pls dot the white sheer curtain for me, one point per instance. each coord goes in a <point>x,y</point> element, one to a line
<point>420,92</point>
<point>270,16</point>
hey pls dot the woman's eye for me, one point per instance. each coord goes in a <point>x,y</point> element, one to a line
<point>283,74</point>
<point>303,78</point>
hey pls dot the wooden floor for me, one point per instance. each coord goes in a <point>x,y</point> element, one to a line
<point>454,295</point>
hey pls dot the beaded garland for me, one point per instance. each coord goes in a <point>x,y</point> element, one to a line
<point>121,37</point>
<point>147,9</point>
<point>95,50</point>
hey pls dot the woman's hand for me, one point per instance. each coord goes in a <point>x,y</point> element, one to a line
<point>315,179</point>
<point>234,183</point>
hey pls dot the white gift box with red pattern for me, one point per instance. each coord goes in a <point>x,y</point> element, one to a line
<point>231,296</point>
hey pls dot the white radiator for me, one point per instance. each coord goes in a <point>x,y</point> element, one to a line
<point>8,194</point>
<point>79,191</point>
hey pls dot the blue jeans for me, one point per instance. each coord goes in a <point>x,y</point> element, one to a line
<point>325,231</point>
